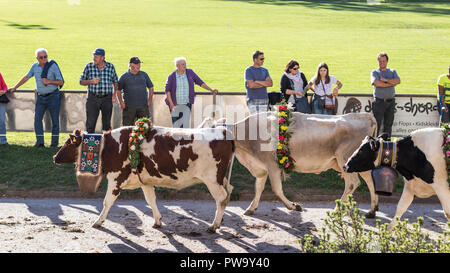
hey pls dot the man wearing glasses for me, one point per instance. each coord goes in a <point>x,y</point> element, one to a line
<point>257,79</point>
<point>48,79</point>
<point>100,77</point>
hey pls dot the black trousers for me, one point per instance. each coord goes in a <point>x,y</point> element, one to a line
<point>130,115</point>
<point>383,111</point>
<point>95,105</point>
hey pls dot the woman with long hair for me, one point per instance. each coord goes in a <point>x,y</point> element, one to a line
<point>324,101</point>
<point>292,85</point>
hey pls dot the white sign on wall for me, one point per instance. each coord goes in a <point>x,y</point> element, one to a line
<point>411,112</point>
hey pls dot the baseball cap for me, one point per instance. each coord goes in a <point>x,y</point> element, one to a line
<point>135,60</point>
<point>99,51</point>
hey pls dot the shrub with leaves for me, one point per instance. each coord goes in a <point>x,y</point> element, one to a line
<point>344,232</point>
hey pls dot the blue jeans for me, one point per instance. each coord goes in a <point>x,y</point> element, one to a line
<point>323,111</point>
<point>2,123</point>
<point>52,103</point>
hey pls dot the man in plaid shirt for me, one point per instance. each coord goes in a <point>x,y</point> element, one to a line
<point>100,77</point>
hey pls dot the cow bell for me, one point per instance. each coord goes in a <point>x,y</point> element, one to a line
<point>89,183</point>
<point>384,179</point>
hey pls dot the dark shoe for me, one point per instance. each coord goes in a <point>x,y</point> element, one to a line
<point>41,145</point>
<point>54,146</point>
<point>4,144</point>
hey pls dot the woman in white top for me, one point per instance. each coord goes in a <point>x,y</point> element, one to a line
<point>323,101</point>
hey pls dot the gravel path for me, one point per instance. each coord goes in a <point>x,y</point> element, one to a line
<point>64,225</point>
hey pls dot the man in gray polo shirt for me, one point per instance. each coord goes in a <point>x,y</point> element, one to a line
<point>384,81</point>
<point>134,84</point>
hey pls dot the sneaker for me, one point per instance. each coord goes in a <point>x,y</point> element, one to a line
<point>54,146</point>
<point>40,145</point>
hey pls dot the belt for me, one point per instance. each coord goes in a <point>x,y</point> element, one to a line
<point>385,100</point>
<point>99,96</point>
<point>48,94</point>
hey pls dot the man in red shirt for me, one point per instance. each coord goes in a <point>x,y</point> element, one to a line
<point>3,101</point>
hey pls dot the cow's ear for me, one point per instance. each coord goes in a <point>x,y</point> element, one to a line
<point>384,136</point>
<point>71,138</point>
<point>374,144</point>
<point>77,132</point>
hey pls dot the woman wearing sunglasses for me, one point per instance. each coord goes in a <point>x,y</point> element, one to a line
<point>292,85</point>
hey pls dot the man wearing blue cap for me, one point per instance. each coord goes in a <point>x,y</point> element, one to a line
<point>100,77</point>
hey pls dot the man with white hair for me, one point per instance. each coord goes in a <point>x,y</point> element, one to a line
<point>48,81</point>
<point>181,94</point>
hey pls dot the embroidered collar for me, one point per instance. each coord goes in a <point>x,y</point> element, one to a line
<point>387,154</point>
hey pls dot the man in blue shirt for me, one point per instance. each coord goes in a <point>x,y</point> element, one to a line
<point>257,79</point>
<point>101,79</point>
<point>48,96</point>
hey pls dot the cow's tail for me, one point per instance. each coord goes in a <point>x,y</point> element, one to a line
<point>230,169</point>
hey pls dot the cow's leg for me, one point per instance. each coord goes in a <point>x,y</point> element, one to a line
<point>442,190</point>
<point>351,183</point>
<point>259,188</point>
<point>403,204</point>
<point>220,195</point>
<point>229,189</point>
<point>110,198</point>
<point>367,176</point>
<point>277,188</point>
<point>150,197</point>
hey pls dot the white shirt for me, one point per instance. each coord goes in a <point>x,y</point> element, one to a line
<point>323,88</point>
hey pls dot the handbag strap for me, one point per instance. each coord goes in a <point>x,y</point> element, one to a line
<point>325,92</point>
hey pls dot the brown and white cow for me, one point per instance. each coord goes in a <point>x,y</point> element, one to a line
<point>318,143</point>
<point>170,157</point>
<point>419,159</point>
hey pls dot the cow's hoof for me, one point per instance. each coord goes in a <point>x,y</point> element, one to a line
<point>297,207</point>
<point>249,212</point>
<point>155,225</point>
<point>370,214</point>
<point>211,229</point>
<point>97,224</point>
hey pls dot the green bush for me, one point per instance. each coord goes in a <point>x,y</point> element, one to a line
<point>344,232</point>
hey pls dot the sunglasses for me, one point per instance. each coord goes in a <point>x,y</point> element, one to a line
<point>294,68</point>
<point>261,59</point>
<point>43,57</point>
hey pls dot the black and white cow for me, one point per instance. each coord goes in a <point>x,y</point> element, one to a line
<point>420,159</point>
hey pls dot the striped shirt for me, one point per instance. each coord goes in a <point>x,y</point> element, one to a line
<point>182,89</point>
<point>107,76</point>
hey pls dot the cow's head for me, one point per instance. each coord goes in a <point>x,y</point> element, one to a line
<point>69,151</point>
<point>363,159</point>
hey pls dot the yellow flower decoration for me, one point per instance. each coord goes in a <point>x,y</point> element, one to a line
<point>284,127</point>
<point>282,114</point>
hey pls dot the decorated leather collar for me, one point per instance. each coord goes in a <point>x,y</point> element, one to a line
<point>387,154</point>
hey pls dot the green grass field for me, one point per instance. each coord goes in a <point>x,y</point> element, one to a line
<point>218,37</point>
